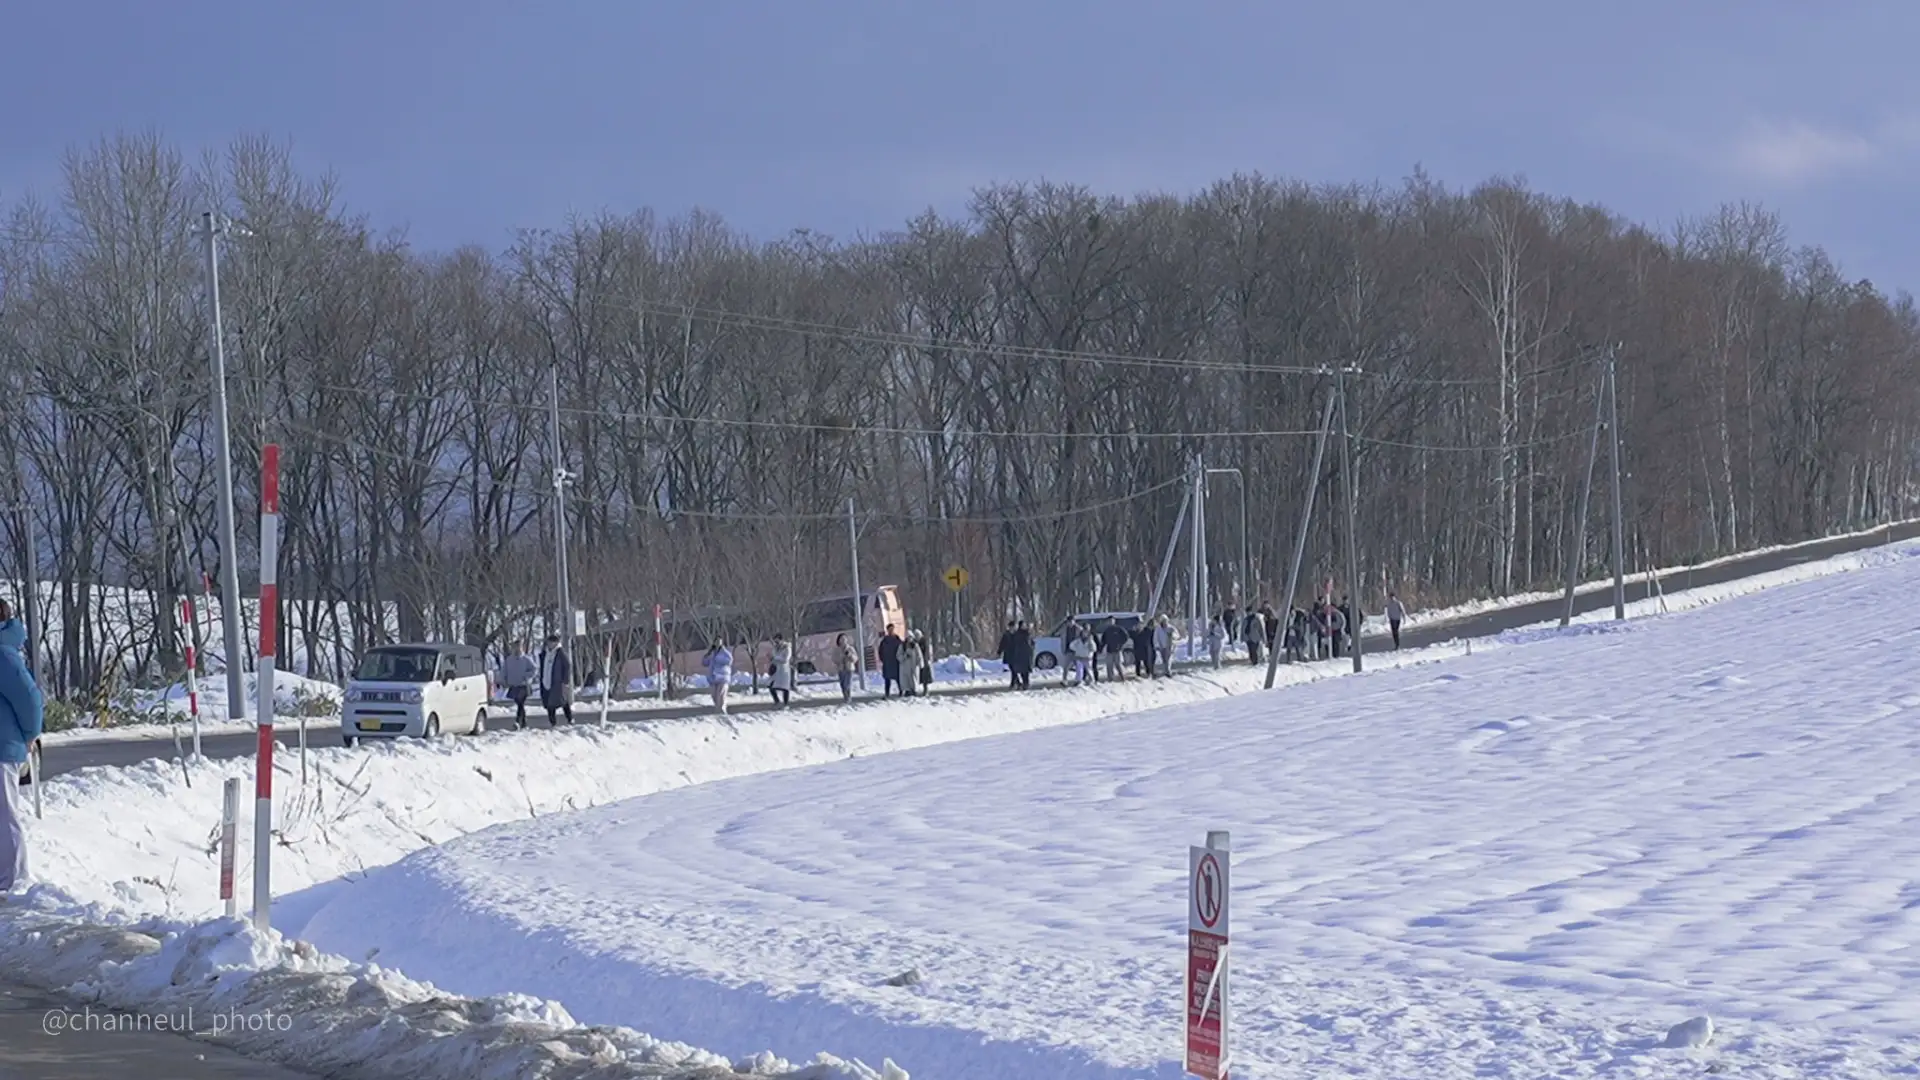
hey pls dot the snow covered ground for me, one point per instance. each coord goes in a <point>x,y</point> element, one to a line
<point>127,864</point>
<point>1532,861</point>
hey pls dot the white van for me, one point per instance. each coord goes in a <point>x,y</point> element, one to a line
<point>416,690</point>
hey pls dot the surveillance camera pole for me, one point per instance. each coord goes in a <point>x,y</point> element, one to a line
<point>223,444</point>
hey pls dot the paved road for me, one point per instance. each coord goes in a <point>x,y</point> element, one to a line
<point>29,1052</point>
<point>60,758</point>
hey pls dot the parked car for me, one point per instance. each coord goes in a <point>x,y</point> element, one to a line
<point>416,690</point>
<point>1048,651</point>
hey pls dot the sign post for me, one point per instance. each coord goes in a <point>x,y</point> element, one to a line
<point>1207,960</point>
<point>229,820</point>
<point>956,578</point>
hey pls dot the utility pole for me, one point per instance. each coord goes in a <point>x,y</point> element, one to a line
<point>1353,547</point>
<point>1195,558</point>
<point>859,604</point>
<point>1619,527</point>
<point>560,478</point>
<point>1578,549</point>
<point>30,563</point>
<point>1300,536</point>
<point>210,232</point>
<point>1166,561</point>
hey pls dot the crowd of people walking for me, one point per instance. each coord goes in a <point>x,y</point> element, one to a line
<point>1100,649</point>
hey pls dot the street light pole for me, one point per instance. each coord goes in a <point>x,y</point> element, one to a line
<point>223,443</point>
<point>565,629</point>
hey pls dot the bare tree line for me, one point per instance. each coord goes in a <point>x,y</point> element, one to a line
<point>1019,390</point>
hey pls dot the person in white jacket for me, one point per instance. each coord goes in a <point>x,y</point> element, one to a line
<point>1216,640</point>
<point>1081,647</point>
<point>780,672</point>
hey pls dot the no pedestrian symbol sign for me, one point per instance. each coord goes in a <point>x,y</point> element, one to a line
<point>1206,983</point>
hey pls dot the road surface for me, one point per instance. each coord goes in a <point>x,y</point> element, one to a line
<point>66,757</point>
<point>32,1047</point>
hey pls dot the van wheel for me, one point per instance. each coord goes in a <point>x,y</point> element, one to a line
<point>1046,661</point>
<point>433,725</point>
<point>479,723</point>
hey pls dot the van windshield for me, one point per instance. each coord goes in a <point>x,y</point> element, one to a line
<point>398,665</point>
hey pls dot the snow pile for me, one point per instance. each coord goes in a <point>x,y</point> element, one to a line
<point>1514,864</point>
<point>282,1000</point>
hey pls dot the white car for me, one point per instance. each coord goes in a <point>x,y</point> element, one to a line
<point>416,690</point>
<point>1049,651</point>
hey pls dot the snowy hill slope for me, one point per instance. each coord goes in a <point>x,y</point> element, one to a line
<point>1531,861</point>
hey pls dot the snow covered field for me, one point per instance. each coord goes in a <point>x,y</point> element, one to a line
<point>1528,862</point>
<point>134,848</point>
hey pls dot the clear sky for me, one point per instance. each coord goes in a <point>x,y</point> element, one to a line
<point>460,120</point>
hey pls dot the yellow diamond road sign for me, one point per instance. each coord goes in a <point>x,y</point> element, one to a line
<point>956,577</point>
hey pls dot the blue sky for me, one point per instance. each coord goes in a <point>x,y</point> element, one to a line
<point>460,120</point>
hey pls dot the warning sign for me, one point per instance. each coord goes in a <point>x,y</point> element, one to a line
<point>1206,982</point>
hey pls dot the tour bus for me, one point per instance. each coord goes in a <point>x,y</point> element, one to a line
<point>812,627</point>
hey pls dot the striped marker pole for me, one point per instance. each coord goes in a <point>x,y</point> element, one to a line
<point>193,664</point>
<point>269,613</point>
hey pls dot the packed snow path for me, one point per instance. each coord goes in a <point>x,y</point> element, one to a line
<point>1530,861</point>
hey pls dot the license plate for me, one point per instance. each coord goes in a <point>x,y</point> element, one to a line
<point>369,725</point>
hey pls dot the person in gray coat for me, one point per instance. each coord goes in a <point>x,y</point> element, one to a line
<point>517,673</point>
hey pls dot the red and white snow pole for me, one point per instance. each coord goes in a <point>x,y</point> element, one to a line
<point>193,678</point>
<point>269,608</point>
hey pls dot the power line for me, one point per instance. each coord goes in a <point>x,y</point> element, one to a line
<point>747,320</point>
<point>479,402</point>
<point>1004,518</point>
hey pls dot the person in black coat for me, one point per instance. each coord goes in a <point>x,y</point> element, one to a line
<point>890,663</point>
<point>1143,648</point>
<point>1020,655</point>
<point>1005,653</point>
<point>556,681</point>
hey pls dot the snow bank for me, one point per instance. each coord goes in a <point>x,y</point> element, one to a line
<point>139,843</point>
<point>1522,864</point>
<point>269,997</point>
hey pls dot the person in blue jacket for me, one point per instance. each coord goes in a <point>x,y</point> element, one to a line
<point>21,716</point>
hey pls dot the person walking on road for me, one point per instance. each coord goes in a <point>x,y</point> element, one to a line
<point>719,664</point>
<point>906,664</point>
<point>846,661</point>
<point>1113,646</point>
<point>1020,660</point>
<point>1144,650</point>
<point>1255,635</point>
<point>1163,646</point>
<point>1005,653</point>
<point>780,672</point>
<point>517,671</point>
<point>926,662</point>
<point>890,663</point>
<point>556,681</point>
<point>1216,640</point>
<point>1396,614</point>
<point>22,715</point>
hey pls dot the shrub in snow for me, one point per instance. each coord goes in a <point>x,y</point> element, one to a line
<point>1690,1033</point>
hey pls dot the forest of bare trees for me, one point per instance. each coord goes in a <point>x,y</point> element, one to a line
<point>1019,390</point>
